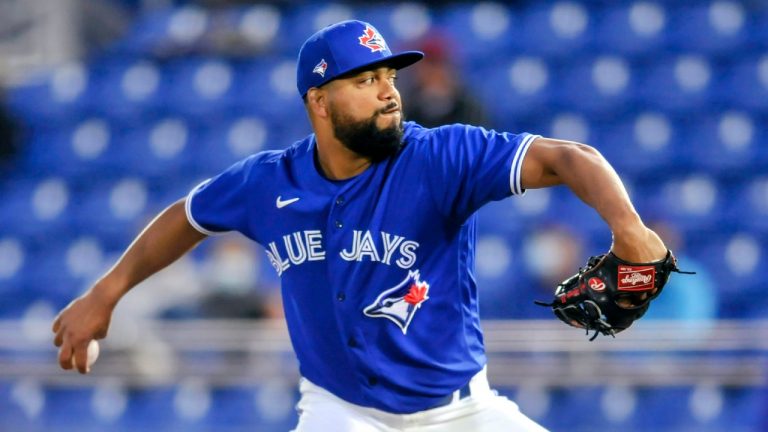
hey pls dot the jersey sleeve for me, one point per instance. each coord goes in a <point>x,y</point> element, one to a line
<point>220,204</point>
<point>471,166</point>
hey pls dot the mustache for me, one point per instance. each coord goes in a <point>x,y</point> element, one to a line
<point>389,107</point>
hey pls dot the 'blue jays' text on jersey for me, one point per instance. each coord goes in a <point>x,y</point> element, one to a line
<point>378,270</point>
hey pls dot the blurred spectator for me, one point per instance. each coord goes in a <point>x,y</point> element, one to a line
<point>177,288</point>
<point>235,285</point>
<point>435,94</point>
<point>100,23</point>
<point>8,135</point>
<point>551,254</point>
<point>227,283</point>
<point>692,298</point>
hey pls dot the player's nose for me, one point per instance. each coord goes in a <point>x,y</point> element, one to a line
<point>387,90</point>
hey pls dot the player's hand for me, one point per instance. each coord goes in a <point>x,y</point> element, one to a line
<point>639,245</point>
<point>84,319</point>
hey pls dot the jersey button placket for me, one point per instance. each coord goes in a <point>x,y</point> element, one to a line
<point>339,202</point>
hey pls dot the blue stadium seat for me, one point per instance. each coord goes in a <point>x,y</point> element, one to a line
<point>401,24</point>
<point>268,406</point>
<point>128,89</point>
<point>21,403</point>
<point>559,29</point>
<point>36,208</point>
<point>67,405</point>
<point>716,27</point>
<point>748,205</point>
<point>580,217</point>
<point>16,264</point>
<point>165,31</point>
<point>252,80</point>
<point>50,279</point>
<point>262,26</point>
<point>150,408</point>
<point>602,85</point>
<point>59,95</point>
<point>736,261</point>
<point>75,151</point>
<point>677,83</point>
<point>642,143</point>
<point>743,406</point>
<point>528,84</point>
<point>635,29</point>
<point>114,210</point>
<point>759,30</point>
<point>198,87</point>
<point>163,148</point>
<point>695,201</point>
<point>726,143</point>
<point>305,19</point>
<point>669,405</point>
<point>267,88</point>
<point>571,402</point>
<point>232,407</point>
<point>228,141</point>
<point>481,33</point>
<point>745,85</point>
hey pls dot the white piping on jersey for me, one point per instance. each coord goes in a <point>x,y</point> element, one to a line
<point>516,170</point>
<point>188,211</point>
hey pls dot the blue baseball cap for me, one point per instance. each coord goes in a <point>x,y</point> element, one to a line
<point>342,48</point>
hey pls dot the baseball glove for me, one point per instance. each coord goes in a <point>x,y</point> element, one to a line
<point>609,294</point>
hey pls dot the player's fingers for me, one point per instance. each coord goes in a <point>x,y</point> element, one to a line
<point>81,358</point>
<point>58,339</point>
<point>56,324</point>
<point>65,355</point>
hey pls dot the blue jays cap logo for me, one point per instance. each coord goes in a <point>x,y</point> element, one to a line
<point>345,47</point>
<point>320,68</point>
<point>372,40</point>
<point>400,303</point>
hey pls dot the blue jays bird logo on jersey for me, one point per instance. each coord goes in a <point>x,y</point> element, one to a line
<point>372,40</point>
<point>400,303</point>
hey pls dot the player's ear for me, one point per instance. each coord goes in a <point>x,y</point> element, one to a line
<point>317,102</point>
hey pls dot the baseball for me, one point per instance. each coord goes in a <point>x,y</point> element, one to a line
<point>93,354</point>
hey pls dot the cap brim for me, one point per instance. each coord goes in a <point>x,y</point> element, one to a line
<point>397,61</point>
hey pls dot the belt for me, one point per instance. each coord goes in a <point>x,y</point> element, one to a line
<point>463,392</point>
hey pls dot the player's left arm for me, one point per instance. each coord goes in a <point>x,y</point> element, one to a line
<point>585,171</point>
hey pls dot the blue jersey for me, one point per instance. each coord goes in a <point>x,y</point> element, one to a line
<point>377,271</point>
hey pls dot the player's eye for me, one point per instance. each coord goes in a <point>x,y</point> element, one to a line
<point>367,81</point>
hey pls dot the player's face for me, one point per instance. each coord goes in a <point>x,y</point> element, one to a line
<point>366,113</point>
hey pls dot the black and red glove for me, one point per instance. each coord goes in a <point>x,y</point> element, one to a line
<point>609,294</point>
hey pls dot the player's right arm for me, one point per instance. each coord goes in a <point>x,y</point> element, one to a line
<point>163,241</point>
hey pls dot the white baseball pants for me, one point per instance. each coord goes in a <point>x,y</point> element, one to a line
<point>482,411</point>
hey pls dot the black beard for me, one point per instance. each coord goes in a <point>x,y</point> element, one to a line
<point>366,139</point>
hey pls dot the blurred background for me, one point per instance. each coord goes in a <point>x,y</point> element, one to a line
<point>112,109</point>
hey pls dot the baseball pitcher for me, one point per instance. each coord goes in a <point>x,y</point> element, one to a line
<point>370,224</point>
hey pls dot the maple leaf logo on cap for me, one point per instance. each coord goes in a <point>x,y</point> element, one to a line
<point>372,40</point>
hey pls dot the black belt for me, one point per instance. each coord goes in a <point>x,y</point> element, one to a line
<point>464,392</point>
